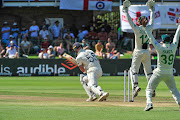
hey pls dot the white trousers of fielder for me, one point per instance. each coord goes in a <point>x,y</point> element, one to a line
<point>154,81</point>
<point>141,56</point>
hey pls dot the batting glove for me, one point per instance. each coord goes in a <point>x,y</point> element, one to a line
<point>126,4</point>
<point>151,5</point>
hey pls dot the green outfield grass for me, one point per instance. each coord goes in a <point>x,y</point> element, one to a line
<point>63,98</point>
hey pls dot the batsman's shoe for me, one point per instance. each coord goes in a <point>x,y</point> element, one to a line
<point>103,96</point>
<point>91,99</point>
<point>154,94</point>
<point>136,90</point>
<point>149,106</point>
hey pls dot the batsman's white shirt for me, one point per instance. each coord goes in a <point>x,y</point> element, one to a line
<point>88,59</point>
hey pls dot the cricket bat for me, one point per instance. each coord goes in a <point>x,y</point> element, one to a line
<point>70,58</point>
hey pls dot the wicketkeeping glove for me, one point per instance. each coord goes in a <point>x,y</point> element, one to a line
<point>126,4</point>
<point>151,5</point>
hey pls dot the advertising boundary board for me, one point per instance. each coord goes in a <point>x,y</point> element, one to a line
<point>63,67</point>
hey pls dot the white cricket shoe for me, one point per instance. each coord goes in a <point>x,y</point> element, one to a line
<point>103,96</point>
<point>91,99</point>
<point>149,106</point>
<point>136,90</point>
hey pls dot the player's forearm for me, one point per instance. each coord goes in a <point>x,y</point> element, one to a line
<point>176,36</point>
<point>151,21</point>
<point>150,36</point>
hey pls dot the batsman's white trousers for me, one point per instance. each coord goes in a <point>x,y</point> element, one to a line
<point>93,75</point>
<point>155,79</point>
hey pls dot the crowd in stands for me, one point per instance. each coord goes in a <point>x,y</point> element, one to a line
<point>49,41</point>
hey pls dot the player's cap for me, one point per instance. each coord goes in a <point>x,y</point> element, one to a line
<point>166,38</point>
<point>99,41</point>
<point>50,47</point>
<point>14,23</point>
<point>76,45</point>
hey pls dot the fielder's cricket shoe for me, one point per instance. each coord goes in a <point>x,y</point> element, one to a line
<point>149,106</point>
<point>154,94</point>
<point>103,96</point>
<point>91,99</point>
<point>136,90</point>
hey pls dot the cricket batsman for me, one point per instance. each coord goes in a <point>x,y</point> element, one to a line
<point>141,52</point>
<point>89,64</point>
<point>164,71</point>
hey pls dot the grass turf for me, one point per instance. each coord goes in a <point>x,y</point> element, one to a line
<point>63,98</point>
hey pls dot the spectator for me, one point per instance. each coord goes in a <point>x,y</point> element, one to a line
<point>80,36</point>
<point>84,30</point>
<point>43,34</point>
<point>51,52</point>
<point>111,52</point>
<point>12,38</point>
<point>5,33</point>
<point>15,30</point>
<point>45,44</point>
<point>85,45</point>
<point>12,44</point>
<point>11,52</point>
<point>24,32</point>
<point>56,30</point>
<point>113,36</point>
<point>152,51</point>
<point>1,50</point>
<point>34,29</point>
<point>60,50</point>
<point>103,36</point>
<point>46,24</point>
<point>68,37</point>
<point>43,54</point>
<point>99,49</point>
<point>92,36</point>
<point>25,46</point>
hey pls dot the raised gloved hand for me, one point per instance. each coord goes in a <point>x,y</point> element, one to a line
<point>126,4</point>
<point>151,5</point>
